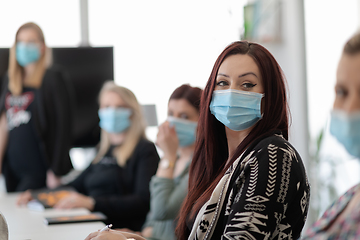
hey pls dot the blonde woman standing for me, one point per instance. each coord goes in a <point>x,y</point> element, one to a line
<point>35,116</point>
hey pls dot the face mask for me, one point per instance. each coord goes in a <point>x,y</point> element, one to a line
<point>114,120</point>
<point>185,130</point>
<point>27,53</point>
<point>238,110</point>
<point>346,129</point>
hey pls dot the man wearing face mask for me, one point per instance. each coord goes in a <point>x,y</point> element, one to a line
<point>342,218</point>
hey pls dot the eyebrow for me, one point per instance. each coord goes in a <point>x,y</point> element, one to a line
<point>242,75</point>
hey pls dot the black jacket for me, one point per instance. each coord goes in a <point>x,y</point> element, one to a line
<point>125,199</point>
<point>52,118</point>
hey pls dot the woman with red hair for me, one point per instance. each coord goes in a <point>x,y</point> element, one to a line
<point>246,180</point>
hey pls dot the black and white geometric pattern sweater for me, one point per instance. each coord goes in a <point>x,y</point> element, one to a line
<point>267,195</point>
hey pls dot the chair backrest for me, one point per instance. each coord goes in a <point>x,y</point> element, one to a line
<point>149,111</point>
<point>4,232</point>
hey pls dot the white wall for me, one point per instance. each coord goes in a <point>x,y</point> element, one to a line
<point>329,24</point>
<point>59,20</point>
<point>290,54</point>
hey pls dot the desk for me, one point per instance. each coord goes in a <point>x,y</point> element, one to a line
<point>25,224</point>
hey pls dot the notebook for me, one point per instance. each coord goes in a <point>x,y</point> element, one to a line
<point>47,198</point>
<point>91,217</point>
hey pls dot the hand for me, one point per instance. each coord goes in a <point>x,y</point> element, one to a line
<point>24,198</point>
<point>147,232</point>
<point>52,181</point>
<point>112,235</point>
<point>167,140</point>
<point>76,200</point>
<point>106,235</point>
<point>128,231</point>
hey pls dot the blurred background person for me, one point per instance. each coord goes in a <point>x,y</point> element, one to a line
<point>176,138</point>
<point>117,181</point>
<point>342,219</point>
<point>35,116</point>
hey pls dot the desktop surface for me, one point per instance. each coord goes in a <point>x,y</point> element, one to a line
<point>26,224</point>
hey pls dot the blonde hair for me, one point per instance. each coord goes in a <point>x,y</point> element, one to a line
<point>16,72</point>
<point>135,132</point>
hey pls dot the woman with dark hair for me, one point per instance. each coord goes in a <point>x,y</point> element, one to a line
<point>176,138</point>
<point>246,181</point>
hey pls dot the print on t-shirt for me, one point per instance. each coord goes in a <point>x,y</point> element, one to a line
<point>16,106</point>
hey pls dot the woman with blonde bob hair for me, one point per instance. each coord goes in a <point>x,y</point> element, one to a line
<point>117,181</point>
<point>35,116</point>
<point>135,132</point>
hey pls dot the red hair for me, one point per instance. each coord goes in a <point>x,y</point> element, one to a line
<point>211,150</point>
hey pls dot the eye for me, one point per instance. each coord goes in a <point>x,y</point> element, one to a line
<point>222,83</point>
<point>248,85</point>
<point>121,106</point>
<point>170,113</point>
<point>184,116</point>
<point>340,92</point>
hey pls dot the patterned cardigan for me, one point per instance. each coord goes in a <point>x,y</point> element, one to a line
<point>264,195</point>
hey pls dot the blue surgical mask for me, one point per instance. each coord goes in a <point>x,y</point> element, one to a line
<point>114,120</point>
<point>238,110</point>
<point>185,130</point>
<point>27,53</point>
<point>345,128</point>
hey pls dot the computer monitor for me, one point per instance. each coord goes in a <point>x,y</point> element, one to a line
<point>4,62</point>
<point>88,68</point>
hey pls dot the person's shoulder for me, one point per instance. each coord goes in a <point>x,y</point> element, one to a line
<point>144,143</point>
<point>53,70</point>
<point>53,77</point>
<point>275,144</point>
<point>53,73</point>
<point>145,146</point>
<point>145,150</point>
<point>275,140</point>
<point>352,191</point>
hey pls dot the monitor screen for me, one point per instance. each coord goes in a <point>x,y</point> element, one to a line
<point>4,62</point>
